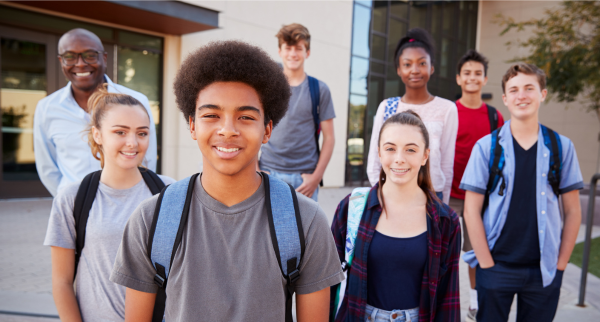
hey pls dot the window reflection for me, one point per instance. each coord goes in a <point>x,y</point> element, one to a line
<point>380,16</point>
<point>360,33</point>
<point>358,75</point>
<point>399,8</point>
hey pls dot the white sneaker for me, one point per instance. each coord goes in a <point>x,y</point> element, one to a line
<point>471,316</point>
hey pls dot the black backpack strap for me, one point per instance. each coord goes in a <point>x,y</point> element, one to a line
<point>493,117</point>
<point>551,140</point>
<point>153,181</point>
<point>315,97</point>
<point>81,211</point>
<point>161,277</point>
<point>496,166</point>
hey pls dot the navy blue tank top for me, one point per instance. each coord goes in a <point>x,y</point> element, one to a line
<point>395,271</point>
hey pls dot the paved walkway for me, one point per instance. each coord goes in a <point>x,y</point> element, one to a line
<point>26,288</point>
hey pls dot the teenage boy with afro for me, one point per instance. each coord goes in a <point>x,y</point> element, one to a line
<point>225,269</point>
<point>293,155</point>
<point>521,246</point>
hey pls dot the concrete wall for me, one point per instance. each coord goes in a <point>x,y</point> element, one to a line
<point>571,120</point>
<point>257,22</point>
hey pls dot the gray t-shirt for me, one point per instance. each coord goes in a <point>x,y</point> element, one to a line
<point>225,268</point>
<point>292,146</point>
<point>99,299</point>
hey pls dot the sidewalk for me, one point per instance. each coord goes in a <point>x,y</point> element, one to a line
<point>26,286</point>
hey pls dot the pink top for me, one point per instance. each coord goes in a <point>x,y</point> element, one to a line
<point>441,119</point>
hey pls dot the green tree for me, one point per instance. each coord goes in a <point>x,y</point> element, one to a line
<point>566,44</point>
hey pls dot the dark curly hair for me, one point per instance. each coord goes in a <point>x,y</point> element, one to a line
<point>232,61</point>
<point>415,37</point>
<point>472,55</point>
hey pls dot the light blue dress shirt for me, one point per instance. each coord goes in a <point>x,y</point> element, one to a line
<point>62,153</point>
<point>549,220</point>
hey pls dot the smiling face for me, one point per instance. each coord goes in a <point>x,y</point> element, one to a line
<point>123,136</point>
<point>83,76</point>
<point>293,56</point>
<point>472,77</point>
<point>415,67</point>
<point>523,96</point>
<point>402,153</point>
<point>229,126</point>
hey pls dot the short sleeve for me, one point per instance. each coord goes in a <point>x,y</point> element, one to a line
<point>570,176</point>
<point>476,174</point>
<point>61,226</point>
<point>133,268</point>
<point>326,111</point>
<point>320,267</point>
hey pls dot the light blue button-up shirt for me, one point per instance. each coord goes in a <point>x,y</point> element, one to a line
<point>549,220</point>
<point>62,153</point>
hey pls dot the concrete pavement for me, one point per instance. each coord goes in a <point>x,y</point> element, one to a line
<point>26,288</point>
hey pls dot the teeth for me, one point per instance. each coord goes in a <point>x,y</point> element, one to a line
<point>83,74</point>
<point>227,150</point>
<point>523,105</point>
<point>399,171</point>
<point>129,154</point>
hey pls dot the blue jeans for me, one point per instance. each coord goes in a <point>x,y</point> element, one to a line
<point>373,314</point>
<point>293,178</point>
<point>497,286</point>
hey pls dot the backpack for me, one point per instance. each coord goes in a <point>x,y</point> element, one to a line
<point>392,106</point>
<point>551,141</point>
<point>171,215</point>
<point>85,198</point>
<point>315,97</point>
<point>356,208</point>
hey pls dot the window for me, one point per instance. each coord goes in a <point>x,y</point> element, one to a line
<point>377,27</point>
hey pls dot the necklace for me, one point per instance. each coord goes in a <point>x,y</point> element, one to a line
<point>429,99</point>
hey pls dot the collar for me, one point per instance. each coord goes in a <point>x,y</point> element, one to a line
<point>506,138</point>
<point>436,211</point>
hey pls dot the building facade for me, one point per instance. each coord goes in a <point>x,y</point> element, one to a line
<point>351,50</point>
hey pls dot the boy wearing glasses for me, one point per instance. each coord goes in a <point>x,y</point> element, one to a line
<point>62,154</point>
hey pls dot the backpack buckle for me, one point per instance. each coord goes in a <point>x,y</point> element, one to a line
<point>294,276</point>
<point>345,266</point>
<point>160,281</point>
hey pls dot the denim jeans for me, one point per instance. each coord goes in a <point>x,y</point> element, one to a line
<point>293,178</point>
<point>373,314</point>
<point>497,286</point>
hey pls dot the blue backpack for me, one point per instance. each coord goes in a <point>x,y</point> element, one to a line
<point>315,98</point>
<point>171,214</point>
<point>551,141</point>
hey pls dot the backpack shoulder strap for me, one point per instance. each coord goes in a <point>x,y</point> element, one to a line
<point>493,117</point>
<point>315,97</point>
<point>287,234</point>
<point>496,166</point>
<point>170,218</point>
<point>356,208</point>
<point>391,107</point>
<point>81,211</point>
<point>153,181</point>
<point>552,141</point>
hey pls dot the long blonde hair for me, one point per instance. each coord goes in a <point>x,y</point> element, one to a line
<point>98,104</point>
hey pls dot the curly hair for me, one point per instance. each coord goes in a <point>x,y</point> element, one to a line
<point>232,61</point>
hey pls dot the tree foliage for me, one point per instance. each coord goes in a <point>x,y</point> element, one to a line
<point>566,44</point>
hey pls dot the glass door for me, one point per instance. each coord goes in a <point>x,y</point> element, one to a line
<point>28,73</point>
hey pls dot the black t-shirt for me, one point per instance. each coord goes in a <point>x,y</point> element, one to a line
<point>395,267</point>
<point>518,243</point>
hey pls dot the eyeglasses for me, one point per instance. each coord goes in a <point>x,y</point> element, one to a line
<point>70,58</point>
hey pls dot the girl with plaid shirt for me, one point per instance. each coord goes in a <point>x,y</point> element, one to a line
<point>413,264</point>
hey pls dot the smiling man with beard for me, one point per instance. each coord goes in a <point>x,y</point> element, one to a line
<point>62,153</point>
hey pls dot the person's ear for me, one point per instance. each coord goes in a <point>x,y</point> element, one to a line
<point>97,136</point>
<point>485,79</point>
<point>307,53</point>
<point>192,127</point>
<point>544,94</point>
<point>432,69</point>
<point>458,80</point>
<point>268,132</point>
<point>504,100</point>
<point>425,157</point>
<point>105,57</point>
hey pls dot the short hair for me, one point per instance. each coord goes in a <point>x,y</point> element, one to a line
<point>472,55</point>
<point>232,61</point>
<point>527,69</point>
<point>415,37</point>
<point>291,34</point>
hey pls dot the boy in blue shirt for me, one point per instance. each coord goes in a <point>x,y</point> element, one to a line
<point>520,244</point>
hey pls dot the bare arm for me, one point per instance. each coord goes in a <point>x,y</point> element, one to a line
<point>138,305</point>
<point>472,214</point>
<point>63,268</point>
<point>311,181</point>
<point>571,228</point>
<point>313,307</point>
